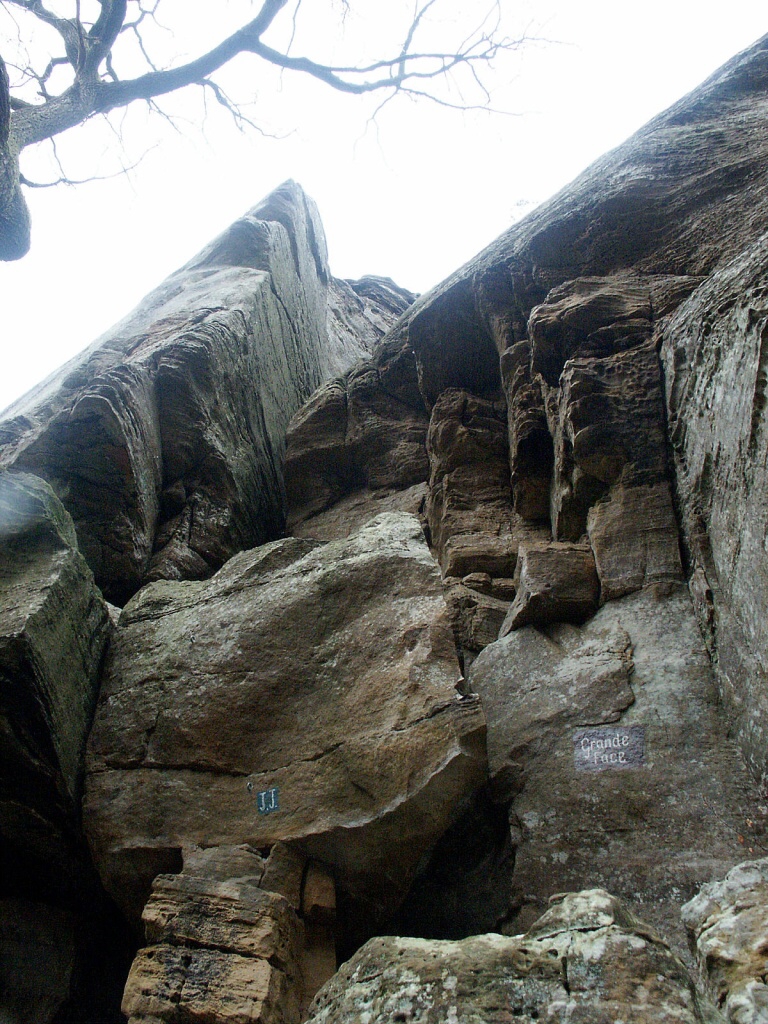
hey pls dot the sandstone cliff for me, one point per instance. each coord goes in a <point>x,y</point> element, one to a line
<point>430,615</point>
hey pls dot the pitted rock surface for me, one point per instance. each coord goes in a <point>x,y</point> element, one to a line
<point>587,959</point>
<point>728,924</point>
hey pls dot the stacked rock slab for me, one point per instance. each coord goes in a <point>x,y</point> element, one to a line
<point>305,694</point>
<point>587,959</point>
<point>165,438</point>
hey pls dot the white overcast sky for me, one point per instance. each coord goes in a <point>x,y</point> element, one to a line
<point>412,197</point>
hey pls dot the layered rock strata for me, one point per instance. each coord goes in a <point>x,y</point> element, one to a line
<point>165,438</point>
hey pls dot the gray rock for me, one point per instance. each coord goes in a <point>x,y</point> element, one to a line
<point>587,959</point>
<point>165,439</point>
<point>651,825</point>
<point>714,354</point>
<point>728,925</point>
<point>54,627</point>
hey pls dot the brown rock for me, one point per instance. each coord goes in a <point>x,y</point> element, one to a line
<point>587,959</point>
<point>227,915</point>
<point>366,430</point>
<point>531,450</point>
<point>350,513</point>
<point>184,986</point>
<point>469,509</point>
<point>634,539</point>
<point>270,687</point>
<point>555,583</point>
<point>608,431</point>
<point>476,617</point>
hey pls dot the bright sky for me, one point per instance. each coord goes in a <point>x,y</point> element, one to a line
<point>412,197</point>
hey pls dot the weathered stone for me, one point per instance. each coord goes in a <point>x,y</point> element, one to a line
<point>469,508</point>
<point>555,583</point>
<point>728,924</point>
<point>531,449</point>
<point>714,354</point>
<point>284,873</point>
<point>587,959</point>
<point>165,439</point>
<point>634,538</point>
<point>324,673</point>
<point>222,863</point>
<point>361,312</point>
<point>476,618</point>
<point>231,915</point>
<point>353,511</point>
<point>181,985</point>
<point>638,670</point>
<point>607,421</point>
<point>54,627</point>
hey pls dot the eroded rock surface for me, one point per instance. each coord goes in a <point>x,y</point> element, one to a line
<point>322,673</point>
<point>728,924</point>
<point>587,958</point>
<point>54,627</point>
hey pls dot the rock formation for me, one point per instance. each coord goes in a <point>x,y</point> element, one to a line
<point>165,438</point>
<point>587,958</point>
<point>428,613</point>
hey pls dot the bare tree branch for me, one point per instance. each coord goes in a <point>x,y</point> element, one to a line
<point>99,86</point>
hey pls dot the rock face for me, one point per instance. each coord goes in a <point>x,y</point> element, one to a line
<point>718,433</point>
<point>608,740</point>
<point>452,658</point>
<point>224,949</point>
<point>165,439</point>
<point>312,681</point>
<point>728,924</point>
<point>587,958</point>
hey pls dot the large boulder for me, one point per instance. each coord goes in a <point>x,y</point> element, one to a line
<point>315,682</point>
<point>165,438</point>
<point>587,959</point>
